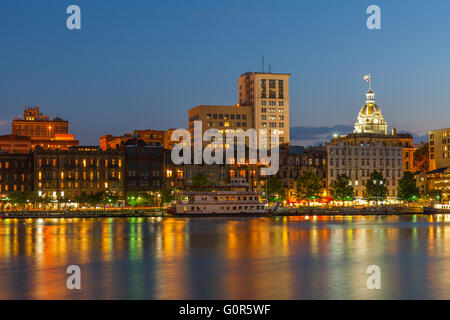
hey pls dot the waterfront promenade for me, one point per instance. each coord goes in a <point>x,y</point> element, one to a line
<point>303,211</point>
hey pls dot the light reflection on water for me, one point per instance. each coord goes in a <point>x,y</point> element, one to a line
<point>315,257</point>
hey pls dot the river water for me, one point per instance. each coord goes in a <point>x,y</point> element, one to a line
<point>315,257</point>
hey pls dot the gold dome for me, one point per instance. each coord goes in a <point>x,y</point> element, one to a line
<point>369,109</point>
<point>370,118</point>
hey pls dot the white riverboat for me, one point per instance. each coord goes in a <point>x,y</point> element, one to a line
<point>238,199</point>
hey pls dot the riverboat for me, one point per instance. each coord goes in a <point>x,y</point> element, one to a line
<point>237,199</point>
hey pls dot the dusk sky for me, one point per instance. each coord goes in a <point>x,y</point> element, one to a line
<point>143,64</point>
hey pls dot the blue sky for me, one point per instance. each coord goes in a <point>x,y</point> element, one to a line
<point>142,64</point>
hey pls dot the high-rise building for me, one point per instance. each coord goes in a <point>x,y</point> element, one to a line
<point>268,96</point>
<point>43,131</point>
<point>439,149</point>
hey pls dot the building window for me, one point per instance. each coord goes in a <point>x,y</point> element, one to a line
<point>280,89</point>
<point>272,90</point>
<point>263,89</point>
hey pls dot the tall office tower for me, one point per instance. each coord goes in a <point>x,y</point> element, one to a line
<point>268,95</point>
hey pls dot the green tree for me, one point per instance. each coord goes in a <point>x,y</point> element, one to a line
<point>95,199</point>
<point>435,194</point>
<point>143,199</point>
<point>82,198</point>
<point>341,190</point>
<point>308,186</point>
<point>376,188</point>
<point>21,198</point>
<point>168,195</point>
<point>45,201</point>
<point>132,199</point>
<point>200,180</point>
<point>407,187</point>
<point>275,189</point>
<point>112,199</point>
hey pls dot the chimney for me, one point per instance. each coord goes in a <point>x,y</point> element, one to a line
<point>394,131</point>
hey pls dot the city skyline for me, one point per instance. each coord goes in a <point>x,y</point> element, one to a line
<point>88,80</point>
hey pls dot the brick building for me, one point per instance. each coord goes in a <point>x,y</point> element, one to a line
<point>295,160</point>
<point>144,165</point>
<point>16,172</point>
<point>68,173</point>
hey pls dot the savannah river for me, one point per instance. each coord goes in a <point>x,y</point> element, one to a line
<point>315,257</point>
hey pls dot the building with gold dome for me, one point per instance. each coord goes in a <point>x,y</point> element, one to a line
<point>370,148</point>
<point>370,118</point>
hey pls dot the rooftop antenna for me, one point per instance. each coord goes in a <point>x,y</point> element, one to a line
<point>263,64</point>
<point>270,68</point>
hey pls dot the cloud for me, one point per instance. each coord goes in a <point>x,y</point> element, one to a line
<point>306,136</point>
<point>417,138</point>
<point>3,122</point>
